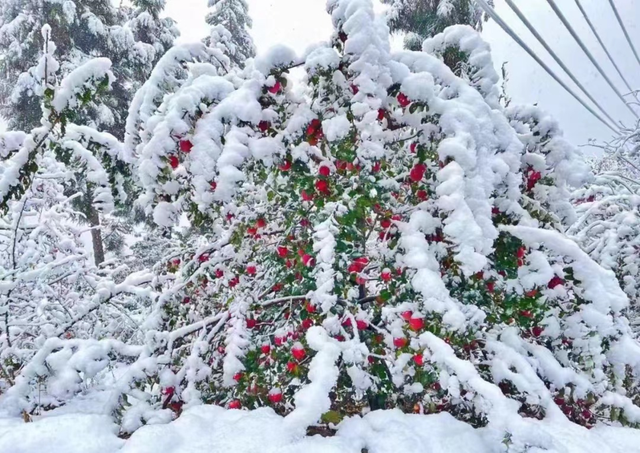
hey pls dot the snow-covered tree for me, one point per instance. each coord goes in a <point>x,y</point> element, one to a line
<point>608,223</point>
<point>230,22</point>
<point>420,19</point>
<point>373,243</point>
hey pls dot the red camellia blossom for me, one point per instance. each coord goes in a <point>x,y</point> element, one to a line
<point>186,300</point>
<point>235,404</point>
<point>386,275</point>
<point>298,352</point>
<point>354,88</point>
<point>532,178</point>
<point>403,100</point>
<point>169,391</point>
<point>186,146</point>
<point>314,127</point>
<point>219,273</point>
<point>422,195</point>
<point>417,172</point>
<point>532,293</point>
<point>237,377</point>
<point>203,258</point>
<point>275,89</point>
<point>418,359</point>
<point>285,166</point>
<point>251,323</point>
<point>361,325</point>
<point>416,324</point>
<point>381,114</point>
<point>491,286</point>
<point>537,331</point>
<point>252,231</point>
<point>213,185</point>
<point>376,167</point>
<point>308,260</point>
<point>307,323</point>
<point>413,147</point>
<point>265,348</point>
<point>279,341</point>
<point>385,223</point>
<point>400,342</point>
<point>261,223</point>
<point>306,196</point>
<point>526,314</point>
<point>251,270</point>
<point>406,315</point>
<point>292,367</point>
<point>322,186</point>
<point>282,251</point>
<point>264,126</point>
<point>174,162</point>
<point>233,282</point>
<point>555,281</point>
<point>275,396</point>
<point>324,171</point>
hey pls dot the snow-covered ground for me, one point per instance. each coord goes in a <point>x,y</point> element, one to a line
<point>82,428</point>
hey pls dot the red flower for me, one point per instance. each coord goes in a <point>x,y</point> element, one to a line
<point>310,307</point>
<point>289,264</point>
<point>532,293</point>
<point>286,165</point>
<point>168,391</point>
<point>276,88</point>
<point>279,341</point>
<point>418,359</point>
<point>532,179</point>
<point>275,396</point>
<point>386,275</point>
<point>307,323</point>
<point>413,147</point>
<point>537,331</point>
<point>360,280</point>
<point>322,186</point>
<point>361,325</point>
<point>555,281</point>
<point>233,282</point>
<point>400,342</point>
<point>526,314</point>
<point>264,126</point>
<point>308,260</point>
<point>251,270</point>
<point>261,223</point>
<point>306,196</point>
<point>417,172</point>
<point>186,146</point>
<point>282,251</point>
<point>203,258</point>
<point>416,324</point>
<point>491,286</point>
<point>237,377</point>
<point>324,171</point>
<point>265,348</point>
<point>252,231</point>
<point>314,127</point>
<point>403,100</point>
<point>521,252</point>
<point>213,185</point>
<point>298,352</point>
<point>235,404</point>
<point>277,287</point>
<point>292,367</point>
<point>422,195</point>
<point>342,36</point>
<point>381,113</point>
<point>376,167</point>
<point>341,165</point>
<point>406,315</point>
<point>174,162</point>
<point>385,223</point>
<point>354,88</point>
<point>186,300</point>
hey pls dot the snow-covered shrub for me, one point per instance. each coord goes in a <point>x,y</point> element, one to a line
<point>371,243</point>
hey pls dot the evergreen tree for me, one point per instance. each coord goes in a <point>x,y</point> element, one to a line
<point>233,15</point>
<point>420,19</point>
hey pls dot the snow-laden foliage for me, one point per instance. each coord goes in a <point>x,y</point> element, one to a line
<point>133,39</point>
<point>390,238</point>
<point>608,222</point>
<point>420,19</point>
<point>230,22</point>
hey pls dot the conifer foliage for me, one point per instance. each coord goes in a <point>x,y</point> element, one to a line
<point>391,239</point>
<point>232,16</point>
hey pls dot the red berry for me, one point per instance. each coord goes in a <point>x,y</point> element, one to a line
<point>186,146</point>
<point>417,172</point>
<point>265,348</point>
<point>418,359</point>
<point>555,281</point>
<point>251,270</point>
<point>275,89</point>
<point>400,342</point>
<point>282,252</point>
<point>324,171</point>
<point>298,352</point>
<point>275,396</point>
<point>174,162</point>
<point>235,404</point>
<point>403,100</point>
<point>416,324</point>
<point>251,323</point>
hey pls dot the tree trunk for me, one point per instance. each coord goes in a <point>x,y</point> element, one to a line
<point>96,235</point>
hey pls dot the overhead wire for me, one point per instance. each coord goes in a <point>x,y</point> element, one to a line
<point>588,53</point>
<point>597,35</point>
<point>558,60</point>
<point>494,15</point>
<point>624,30</point>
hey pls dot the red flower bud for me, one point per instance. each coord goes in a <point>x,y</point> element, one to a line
<point>298,352</point>
<point>186,146</point>
<point>417,172</point>
<point>403,100</point>
<point>416,324</point>
<point>324,171</point>
<point>235,404</point>
<point>264,126</point>
<point>555,281</point>
<point>174,162</point>
<point>275,89</point>
<point>251,270</point>
<point>400,342</point>
<point>286,165</point>
<point>282,252</point>
<point>418,359</point>
<point>265,348</point>
<point>275,396</point>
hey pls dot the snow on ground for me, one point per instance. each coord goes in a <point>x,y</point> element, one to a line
<point>80,428</point>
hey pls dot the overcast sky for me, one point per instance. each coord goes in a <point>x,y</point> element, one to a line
<point>300,23</point>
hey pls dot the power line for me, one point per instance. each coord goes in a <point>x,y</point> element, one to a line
<point>542,41</point>
<point>595,32</point>
<point>491,12</point>
<point>568,26</point>
<point>624,29</point>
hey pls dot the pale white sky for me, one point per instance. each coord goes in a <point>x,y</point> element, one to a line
<point>300,23</point>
